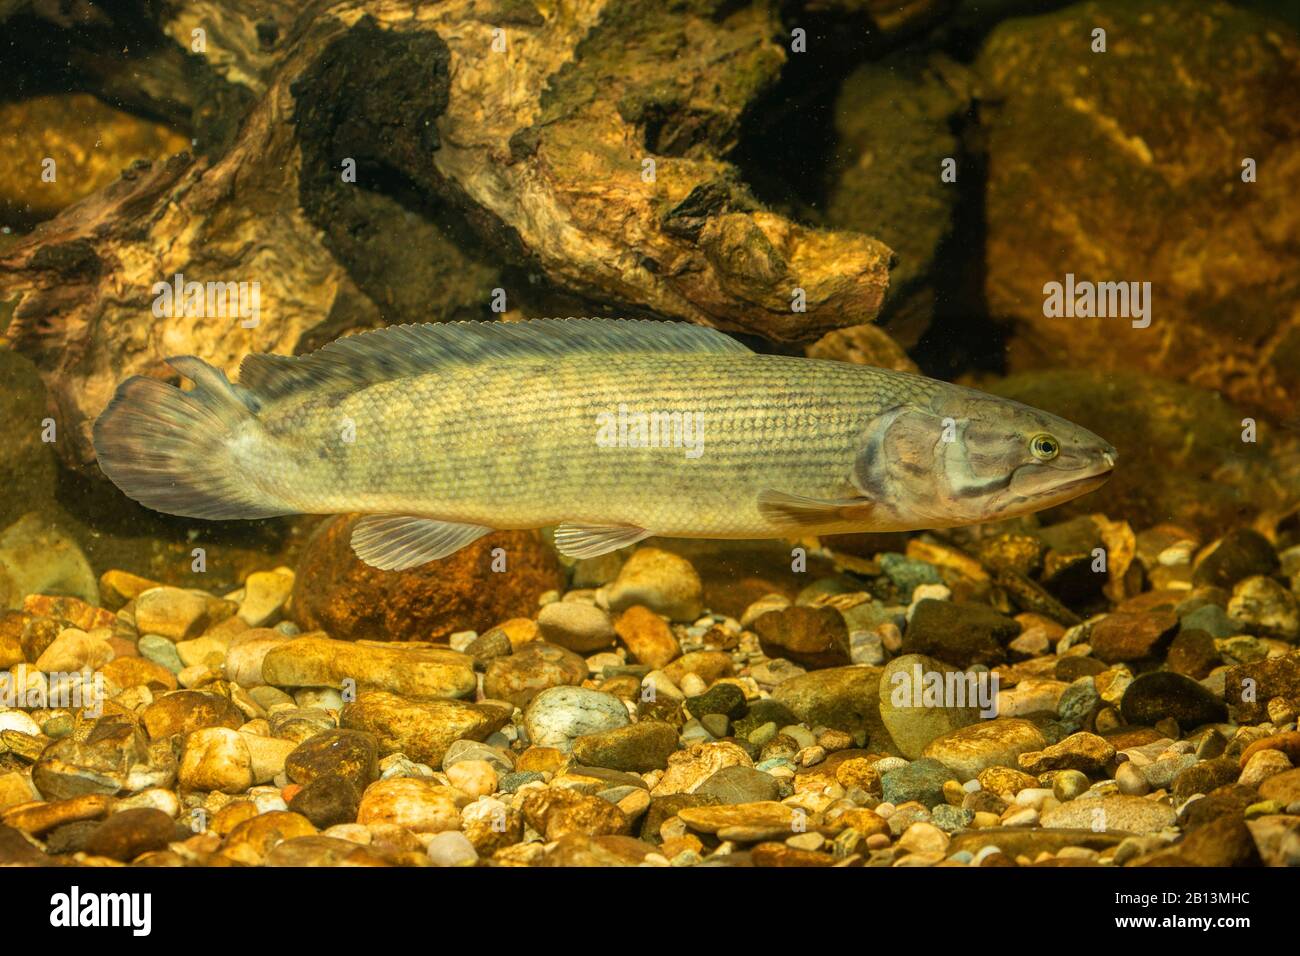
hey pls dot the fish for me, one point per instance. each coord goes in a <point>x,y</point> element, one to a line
<point>609,430</point>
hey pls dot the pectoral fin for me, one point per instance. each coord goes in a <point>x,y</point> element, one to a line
<point>796,511</point>
<point>591,541</point>
<point>398,542</point>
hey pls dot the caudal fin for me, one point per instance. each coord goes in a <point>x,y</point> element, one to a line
<point>176,451</point>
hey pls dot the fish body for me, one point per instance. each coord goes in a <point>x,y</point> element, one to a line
<point>611,430</point>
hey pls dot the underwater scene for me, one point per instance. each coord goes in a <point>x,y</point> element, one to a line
<point>850,434</point>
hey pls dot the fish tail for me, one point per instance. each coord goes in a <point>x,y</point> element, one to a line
<point>185,453</point>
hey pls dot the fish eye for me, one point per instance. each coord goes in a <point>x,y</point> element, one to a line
<point>1044,447</point>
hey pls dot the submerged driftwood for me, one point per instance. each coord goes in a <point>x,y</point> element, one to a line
<point>581,143</point>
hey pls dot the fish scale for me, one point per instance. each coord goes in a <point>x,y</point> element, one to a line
<point>516,444</point>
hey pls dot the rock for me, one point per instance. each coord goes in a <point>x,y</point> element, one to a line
<point>40,818</point>
<point>578,627</point>
<point>689,769</point>
<point>126,835</point>
<point>1261,766</point>
<point>186,711</point>
<point>1260,605</point>
<point>1132,782</point>
<point>1069,784</point>
<point>744,822</point>
<point>557,715</point>
<point>1224,842</point>
<point>659,580</point>
<point>419,805</point>
<point>726,699</point>
<point>1288,742</point>
<point>335,592</point>
<point>1241,553</point>
<point>923,838</point>
<point>177,614</point>
<point>961,634</point>
<point>452,848</point>
<point>1052,100</point>
<point>842,698</point>
<point>737,784</point>
<point>37,558</point>
<point>921,780</point>
<point>1204,777</point>
<point>478,778</point>
<point>1283,787</point>
<point>812,636</point>
<point>709,666</point>
<point>327,801</point>
<point>264,596</point>
<point>351,755</point>
<point>125,672</point>
<point>420,673</point>
<point>490,646</point>
<point>577,849</point>
<point>246,653</point>
<point>1163,694</point>
<point>217,758</point>
<point>647,636</point>
<point>502,760</point>
<point>534,668</point>
<point>968,750</point>
<point>555,812</point>
<point>638,748</point>
<point>1082,751</point>
<point>75,650</point>
<point>112,756</point>
<point>1118,812</point>
<point>913,692</point>
<point>1192,653</point>
<point>1247,688</point>
<point>421,729</point>
<point>1277,838</point>
<point>1121,637</point>
<point>251,842</point>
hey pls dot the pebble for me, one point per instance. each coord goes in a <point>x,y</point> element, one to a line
<point>178,614</point>
<point>1081,751</point>
<point>579,627</point>
<point>409,671</point>
<point>419,805</point>
<point>1069,784</point>
<point>999,742</point>
<point>912,718</point>
<point>422,729</point>
<point>658,580</point>
<point>557,716</point>
<point>1165,695</point>
<point>264,595</point>
<point>921,780</point>
<point>1260,605</point>
<point>1119,812</point>
<point>452,848</point>
<point>1132,782</point>
<point>814,637</point>
<point>535,667</point>
<point>640,747</point>
<point>960,634</point>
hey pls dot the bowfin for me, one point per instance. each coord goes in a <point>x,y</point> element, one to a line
<point>796,511</point>
<point>357,361</point>
<point>591,541</point>
<point>398,542</point>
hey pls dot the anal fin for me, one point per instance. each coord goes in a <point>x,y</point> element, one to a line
<point>590,540</point>
<point>796,511</point>
<point>398,542</point>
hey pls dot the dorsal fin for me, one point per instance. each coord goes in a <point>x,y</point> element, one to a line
<point>399,350</point>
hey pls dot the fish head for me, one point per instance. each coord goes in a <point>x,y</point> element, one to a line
<point>965,457</point>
